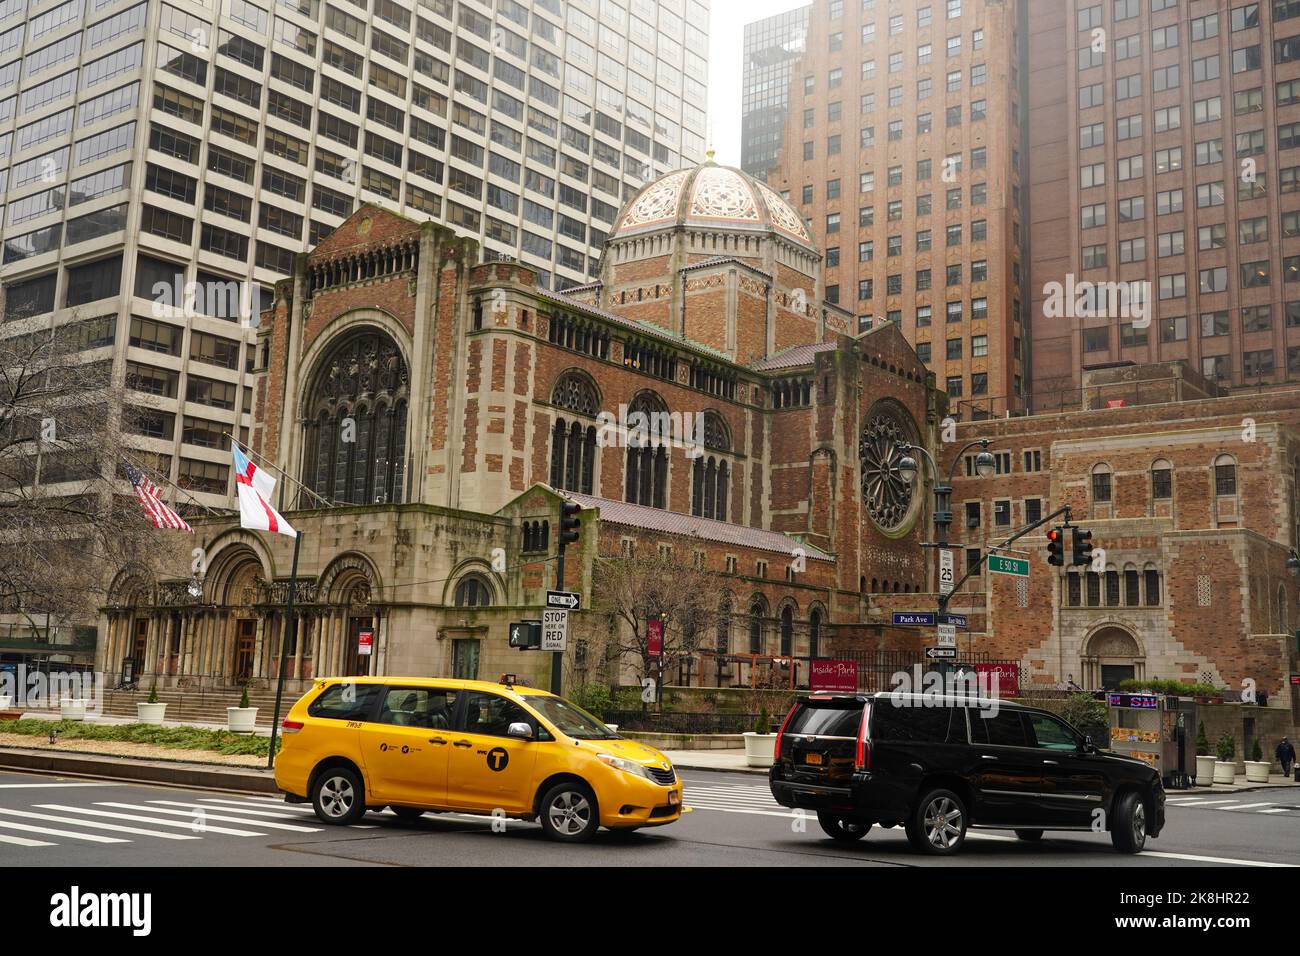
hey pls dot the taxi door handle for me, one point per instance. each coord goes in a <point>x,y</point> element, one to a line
<point>1053,763</point>
<point>987,757</point>
<point>437,740</point>
<point>462,743</point>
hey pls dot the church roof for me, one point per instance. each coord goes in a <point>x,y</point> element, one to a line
<point>710,196</point>
<point>690,526</point>
<point>793,357</point>
<point>647,328</point>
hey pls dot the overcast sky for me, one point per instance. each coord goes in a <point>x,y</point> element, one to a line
<point>726,42</point>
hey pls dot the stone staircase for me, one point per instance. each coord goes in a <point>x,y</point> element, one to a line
<point>198,706</point>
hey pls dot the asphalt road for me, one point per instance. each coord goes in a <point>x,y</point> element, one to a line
<point>52,821</point>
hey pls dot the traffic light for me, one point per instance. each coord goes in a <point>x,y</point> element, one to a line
<point>570,524</point>
<point>1082,546</point>
<point>1055,547</point>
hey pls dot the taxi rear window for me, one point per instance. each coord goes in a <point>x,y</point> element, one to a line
<point>345,702</point>
<point>826,718</point>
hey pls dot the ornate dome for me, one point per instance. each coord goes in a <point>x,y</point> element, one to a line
<point>711,196</point>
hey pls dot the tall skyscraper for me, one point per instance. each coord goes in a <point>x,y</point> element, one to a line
<point>903,148</point>
<point>1164,152</point>
<point>772,47</point>
<point>196,147</point>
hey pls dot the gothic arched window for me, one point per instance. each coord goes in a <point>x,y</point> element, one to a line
<point>646,479</point>
<point>575,392</point>
<point>787,631</point>
<point>814,633</point>
<point>473,591</point>
<point>355,432</point>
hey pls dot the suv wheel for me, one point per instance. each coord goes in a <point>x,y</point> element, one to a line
<point>1128,828</point>
<point>338,796</point>
<point>938,825</point>
<point>843,829</point>
<point>1030,836</point>
<point>569,814</point>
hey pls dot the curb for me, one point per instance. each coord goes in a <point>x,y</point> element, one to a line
<point>136,770</point>
<point>752,771</point>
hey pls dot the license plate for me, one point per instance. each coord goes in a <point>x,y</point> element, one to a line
<point>815,759</point>
<point>674,798</point>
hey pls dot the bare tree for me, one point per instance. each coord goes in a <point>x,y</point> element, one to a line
<point>632,590</point>
<point>67,521</point>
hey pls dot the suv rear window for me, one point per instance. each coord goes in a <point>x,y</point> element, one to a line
<point>345,702</point>
<point>826,718</point>
<point>915,724</point>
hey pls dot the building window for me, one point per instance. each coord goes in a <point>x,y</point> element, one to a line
<point>473,591</point>
<point>1162,481</point>
<point>1101,484</point>
<point>1225,476</point>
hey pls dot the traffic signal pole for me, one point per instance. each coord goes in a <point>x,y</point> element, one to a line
<point>570,525</point>
<point>557,657</point>
<point>944,598</point>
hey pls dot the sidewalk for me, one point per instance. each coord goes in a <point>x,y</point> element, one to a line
<point>724,760</point>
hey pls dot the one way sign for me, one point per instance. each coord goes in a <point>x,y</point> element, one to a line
<point>564,600</point>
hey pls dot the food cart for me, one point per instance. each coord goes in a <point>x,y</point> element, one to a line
<point>1156,729</point>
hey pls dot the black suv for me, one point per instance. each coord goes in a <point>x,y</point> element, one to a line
<point>892,759</point>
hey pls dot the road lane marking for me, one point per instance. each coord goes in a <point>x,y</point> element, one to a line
<point>187,824</point>
<point>23,841</point>
<point>96,825</point>
<point>206,815</point>
<point>1201,803</point>
<point>1211,859</point>
<point>38,786</point>
<point>1248,806</point>
<point>282,807</point>
<point>50,831</point>
<point>1278,810</point>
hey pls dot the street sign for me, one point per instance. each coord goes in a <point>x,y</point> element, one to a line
<point>925,618</point>
<point>942,652</point>
<point>947,635</point>
<point>1295,680</point>
<point>564,600</point>
<point>1019,567</point>
<point>945,571</point>
<point>956,620</point>
<point>365,642</point>
<point>526,635</point>
<point>555,630</point>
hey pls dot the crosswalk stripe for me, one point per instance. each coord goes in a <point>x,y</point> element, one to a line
<point>1248,806</point>
<point>206,814</point>
<point>50,831</point>
<point>269,805</point>
<point>23,841</point>
<point>762,813</point>
<point>224,808</point>
<point>1202,803</point>
<point>187,824</point>
<point>1278,810</point>
<point>97,825</point>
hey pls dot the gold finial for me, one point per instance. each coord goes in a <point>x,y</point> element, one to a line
<point>708,155</point>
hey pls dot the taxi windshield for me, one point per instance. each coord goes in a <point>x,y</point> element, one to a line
<point>569,719</point>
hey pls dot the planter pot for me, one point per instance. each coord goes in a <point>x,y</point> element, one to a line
<point>760,749</point>
<point>1225,771</point>
<point>6,701</point>
<point>150,713</point>
<point>73,708</point>
<point>1204,770</point>
<point>241,720</point>
<point>1257,771</point>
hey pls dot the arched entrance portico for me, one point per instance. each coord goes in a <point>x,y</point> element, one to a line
<point>1111,654</point>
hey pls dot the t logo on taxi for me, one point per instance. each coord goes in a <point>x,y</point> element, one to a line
<point>497,758</point>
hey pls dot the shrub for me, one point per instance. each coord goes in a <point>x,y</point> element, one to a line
<point>764,723</point>
<point>1202,741</point>
<point>1089,717</point>
<point>1168,686</point>
<point>243,697</point>
<point>594,698</point>
<point>153,693</point>
<point>1256,752</point>
<point>1227,748</point>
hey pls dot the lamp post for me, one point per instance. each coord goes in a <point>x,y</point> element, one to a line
<point>908,467</point>
<point>1293,562</point>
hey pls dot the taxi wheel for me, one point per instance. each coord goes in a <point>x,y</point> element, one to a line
<point>843,829</point>
<point>338,796</point>
<point>569,814</point>
<point>407,813</point>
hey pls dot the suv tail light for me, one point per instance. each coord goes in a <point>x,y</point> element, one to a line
<point>291,726</point>
<point>863,758</point>
<point>776,751</point>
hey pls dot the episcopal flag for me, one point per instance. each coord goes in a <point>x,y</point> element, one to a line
<point>150,498</point>
<point>255,488</point>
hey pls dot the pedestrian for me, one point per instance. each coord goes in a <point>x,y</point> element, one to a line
<point>1285,754</point>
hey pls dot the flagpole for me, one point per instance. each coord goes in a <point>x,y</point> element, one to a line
<point>290,631</point>
<point>256,458</point>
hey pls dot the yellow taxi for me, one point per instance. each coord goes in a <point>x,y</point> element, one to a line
<point>418,744</point>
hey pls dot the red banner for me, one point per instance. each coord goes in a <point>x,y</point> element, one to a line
<point>654,638</point>
<point>835,676</point>
<point>1000,679</point>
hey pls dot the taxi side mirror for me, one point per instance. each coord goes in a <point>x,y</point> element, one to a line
<point>521,729</point>
<point>1088,746</point>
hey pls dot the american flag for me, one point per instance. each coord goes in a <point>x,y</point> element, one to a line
<point>150,498</point>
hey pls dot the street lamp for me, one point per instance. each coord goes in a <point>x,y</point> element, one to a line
<point>909,468</point>
<point>1293,562</point>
